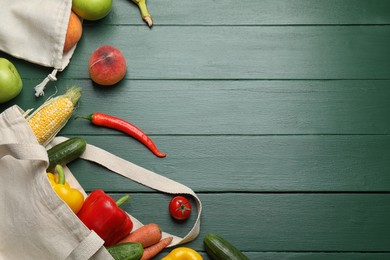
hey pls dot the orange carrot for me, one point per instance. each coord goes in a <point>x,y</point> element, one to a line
<point>147,235</point>
<point>153,250</point>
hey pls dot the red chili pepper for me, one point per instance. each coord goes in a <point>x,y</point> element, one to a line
<point>103,215</point>
<point>101,119</point>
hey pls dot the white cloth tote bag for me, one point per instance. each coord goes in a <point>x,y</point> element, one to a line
<point>35,222</point>
<point>35,30</point>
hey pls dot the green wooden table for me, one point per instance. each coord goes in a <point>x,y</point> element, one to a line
<point>275,112</point>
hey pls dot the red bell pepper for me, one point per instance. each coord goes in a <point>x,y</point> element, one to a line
<point>103,215</point>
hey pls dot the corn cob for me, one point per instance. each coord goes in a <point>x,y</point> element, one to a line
<point>52,116</point>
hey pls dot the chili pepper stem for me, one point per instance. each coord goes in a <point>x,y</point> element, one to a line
<point>61,175</point>
<point>122,200</point>
<point>88,117</point>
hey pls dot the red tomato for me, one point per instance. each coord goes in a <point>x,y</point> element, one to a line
<point>179,208</point>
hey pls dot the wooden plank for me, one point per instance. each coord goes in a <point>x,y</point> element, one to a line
<point>301,255</point>
<point>291,52</point>
<point>253,12</point>
<point>166,107</point>
<point>198,52</point>
<point>304,256</point>
<point>250,163</point>
<point>281,222</point>
<point>311,256</point>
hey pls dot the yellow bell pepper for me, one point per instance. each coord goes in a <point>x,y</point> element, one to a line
<point>183,253</point>
<point>72,197</point>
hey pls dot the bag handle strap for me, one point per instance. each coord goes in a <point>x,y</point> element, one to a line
<point>144,177</point>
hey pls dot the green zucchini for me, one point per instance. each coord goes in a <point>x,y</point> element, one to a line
<point>126,251</point>
<point>218,248</point>
<point>65,152</point>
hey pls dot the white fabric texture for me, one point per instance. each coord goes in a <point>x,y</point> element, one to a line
<point>35,30</point>
<point>35,222</point>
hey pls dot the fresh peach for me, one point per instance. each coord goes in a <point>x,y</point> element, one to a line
<point>74,32</point>
<point>107,65</point>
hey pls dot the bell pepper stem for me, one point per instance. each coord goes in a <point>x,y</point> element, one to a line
<point>122,200</point>
<point>61,175</point>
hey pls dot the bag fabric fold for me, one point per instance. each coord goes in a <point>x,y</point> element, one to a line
<point>35,222</point>
<point>35,31</point>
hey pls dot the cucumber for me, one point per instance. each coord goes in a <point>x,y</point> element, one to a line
<point>126,251</point>
<point>66,152</point>
<point>218,248</point>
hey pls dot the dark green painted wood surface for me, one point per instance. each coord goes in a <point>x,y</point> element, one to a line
<point>227,107</point>
<point>287,222</point>
<point>259,163</point>
<point>243,52</point>
<point>274,112</point>
<point>255,12</point>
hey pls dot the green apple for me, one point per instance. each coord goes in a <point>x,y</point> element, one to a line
<point>10,81</point>
<point>91,9</point>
